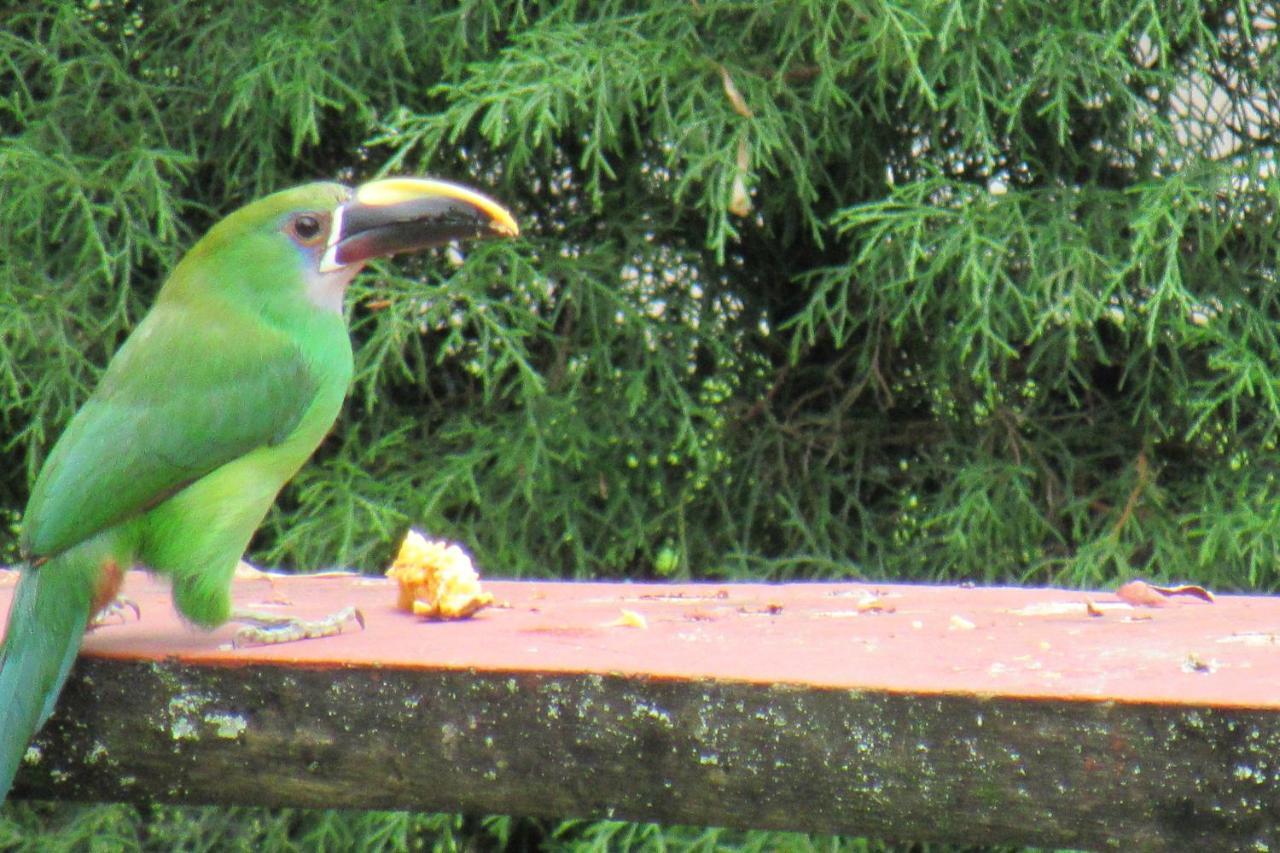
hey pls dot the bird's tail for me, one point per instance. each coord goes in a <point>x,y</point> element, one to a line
<point>47,620</point>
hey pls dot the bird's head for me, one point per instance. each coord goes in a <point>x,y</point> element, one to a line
<point>311,240</point>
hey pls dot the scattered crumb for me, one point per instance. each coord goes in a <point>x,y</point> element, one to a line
<point>1188,589</point>
<point>436,579</point>
<point>246,571</point>
<point>768,609</point>
<point>1143,594</point>
<point>1252,638</point>
<point>870,603</point>
<point>628,619</point>
<point>1068,608</point>
<point>1194,663</point>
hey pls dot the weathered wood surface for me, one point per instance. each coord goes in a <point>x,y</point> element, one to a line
<point>980,715</point>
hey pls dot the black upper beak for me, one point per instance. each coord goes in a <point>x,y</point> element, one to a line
<point>396,215</point>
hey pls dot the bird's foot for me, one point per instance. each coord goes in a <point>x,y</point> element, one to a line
<point>114,612</point>
<point>266,628</point>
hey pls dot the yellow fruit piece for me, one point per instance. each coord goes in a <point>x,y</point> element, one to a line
<point>436,579</point>
<point>629,619</point>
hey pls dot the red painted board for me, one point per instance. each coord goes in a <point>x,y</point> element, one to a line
<point>1008,642</point>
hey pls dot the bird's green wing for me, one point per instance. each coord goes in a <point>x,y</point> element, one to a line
<point>184,396</point>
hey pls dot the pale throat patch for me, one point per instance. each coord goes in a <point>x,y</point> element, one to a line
<point>328,286</point>
<point>328,289</point>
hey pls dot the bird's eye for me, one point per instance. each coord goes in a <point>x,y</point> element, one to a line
<point>306,227</point>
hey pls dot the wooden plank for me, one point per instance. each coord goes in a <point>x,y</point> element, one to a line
<point>980,715</point>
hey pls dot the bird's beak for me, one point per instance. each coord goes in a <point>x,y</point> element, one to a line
<point>396,215</point>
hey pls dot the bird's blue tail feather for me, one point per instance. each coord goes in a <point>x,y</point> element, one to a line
<point>47,620</point>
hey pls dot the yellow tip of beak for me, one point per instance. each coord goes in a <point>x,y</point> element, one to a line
<point>396,190</point>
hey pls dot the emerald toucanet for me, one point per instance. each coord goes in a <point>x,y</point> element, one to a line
<point>216,399</point>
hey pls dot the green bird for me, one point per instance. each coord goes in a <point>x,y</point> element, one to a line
<point>215,400</point>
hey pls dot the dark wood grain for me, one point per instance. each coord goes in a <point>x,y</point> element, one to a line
<point>1080,774</point>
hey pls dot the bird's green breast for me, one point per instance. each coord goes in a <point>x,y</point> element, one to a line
<point>209,523</point>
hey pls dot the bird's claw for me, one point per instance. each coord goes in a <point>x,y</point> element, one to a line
<point>264,629</point>
<point>114,611</point>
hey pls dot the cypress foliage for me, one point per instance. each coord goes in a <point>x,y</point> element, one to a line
<point>888,288</point>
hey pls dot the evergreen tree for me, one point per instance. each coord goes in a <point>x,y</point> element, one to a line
<point>892,288</point>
